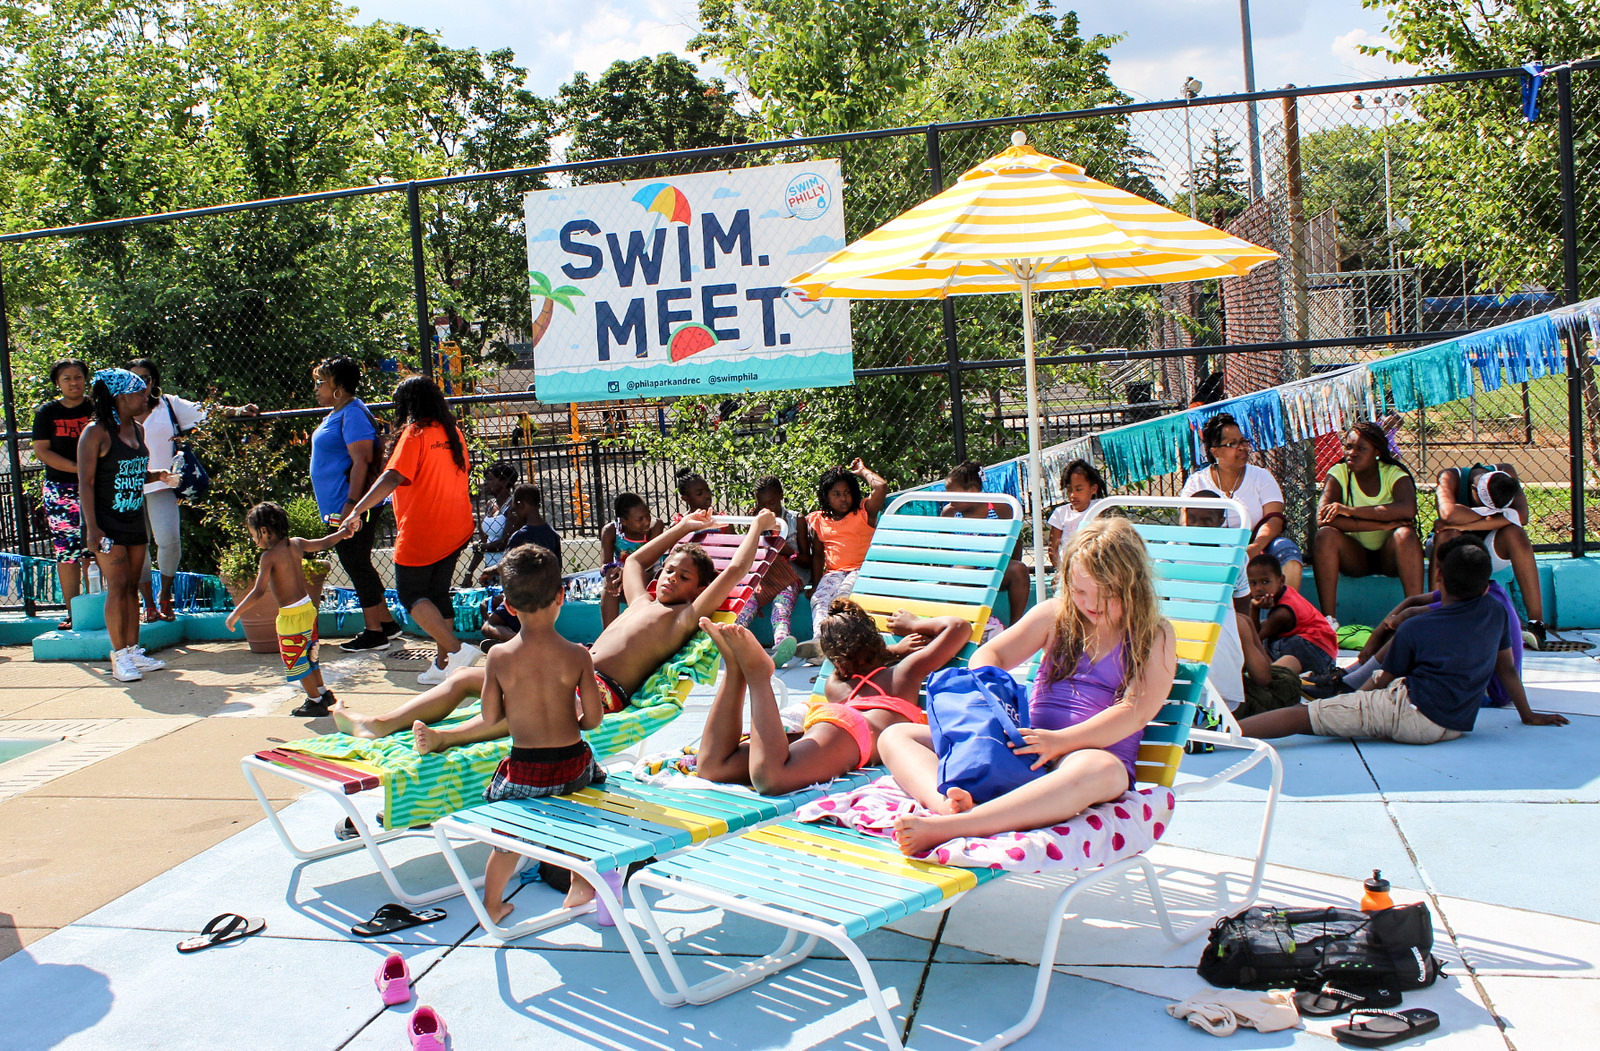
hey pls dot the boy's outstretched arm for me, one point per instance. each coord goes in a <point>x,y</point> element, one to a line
<point>1505,667</point>
<point>320,544</point>
<point>249,597</point>
<point>712,597</point>
<point>636,565</point>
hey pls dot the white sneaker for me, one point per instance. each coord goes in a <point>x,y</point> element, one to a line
<point>465,657</point>
<point>1333,622</point>
<point>433,675</point>
<point>143,661</point>
<point>122,667</point>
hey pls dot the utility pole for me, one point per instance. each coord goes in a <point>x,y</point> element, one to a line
<point>1250,87</point>
<point>1191,88</point>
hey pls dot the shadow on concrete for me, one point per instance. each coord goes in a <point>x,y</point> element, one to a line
<point>47,1002</point>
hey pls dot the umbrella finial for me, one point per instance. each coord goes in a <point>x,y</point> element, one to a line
<point>1019,138</point>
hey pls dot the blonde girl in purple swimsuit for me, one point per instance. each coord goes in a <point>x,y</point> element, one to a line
<point>1108,662</point>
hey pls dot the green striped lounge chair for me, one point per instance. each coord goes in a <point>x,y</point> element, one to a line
<point>823,882</point>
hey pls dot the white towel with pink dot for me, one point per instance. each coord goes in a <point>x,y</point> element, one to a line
<point>1098,836</point>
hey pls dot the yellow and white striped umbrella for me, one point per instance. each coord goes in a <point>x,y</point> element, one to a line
<point>1023,221</point>
<point>1022,206</point>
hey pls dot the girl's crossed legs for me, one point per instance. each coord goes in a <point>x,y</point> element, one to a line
<point>1080,780</point>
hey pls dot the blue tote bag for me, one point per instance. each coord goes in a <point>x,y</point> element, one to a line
<point>975,715</point>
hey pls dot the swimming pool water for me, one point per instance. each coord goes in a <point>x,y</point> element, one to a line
<point>13,748</point>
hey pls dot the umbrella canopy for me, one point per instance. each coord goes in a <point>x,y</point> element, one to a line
<point>1024,221</point>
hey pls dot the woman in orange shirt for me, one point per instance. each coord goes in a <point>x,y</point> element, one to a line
<point>842,530</point>
<point>430,476</point>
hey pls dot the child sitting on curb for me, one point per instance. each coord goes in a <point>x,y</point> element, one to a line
<point>1434,674</point>
<point>282,575</point>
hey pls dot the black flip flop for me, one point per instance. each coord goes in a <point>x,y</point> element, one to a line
<point>228,927</point>
<point>1333,999</point>
<point>392,917</point>
<point>1386,1027</point>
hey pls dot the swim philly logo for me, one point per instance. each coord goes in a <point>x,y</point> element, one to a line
<point>669,247</point>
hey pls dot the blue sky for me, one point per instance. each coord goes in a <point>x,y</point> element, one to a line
<point>1299,41</point>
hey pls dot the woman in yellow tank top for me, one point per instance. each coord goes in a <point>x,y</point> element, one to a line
<point>1367,519</point>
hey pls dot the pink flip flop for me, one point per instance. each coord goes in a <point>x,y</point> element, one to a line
<point>428,1032</point>
<point>394,980</point>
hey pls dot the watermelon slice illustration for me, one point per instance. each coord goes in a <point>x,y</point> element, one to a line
<point>691,338</point>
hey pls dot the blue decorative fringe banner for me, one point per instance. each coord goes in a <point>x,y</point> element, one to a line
<point>1259,416</point>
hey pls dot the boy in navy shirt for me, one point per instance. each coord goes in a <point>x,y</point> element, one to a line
<point>1432,678</point>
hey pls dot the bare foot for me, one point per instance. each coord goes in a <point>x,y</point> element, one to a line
<point>755,661</point>
<point>350,723</point>
<point>498,911</point>
<point>955,801</point>
<point>579,892</point>
<point>918,834</point>
<point>712,628</point>
<point>427,738</point>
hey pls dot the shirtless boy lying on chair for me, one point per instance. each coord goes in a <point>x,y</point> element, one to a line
<point>630,649</point>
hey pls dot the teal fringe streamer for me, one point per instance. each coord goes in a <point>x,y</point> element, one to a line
<point>1144,450</point>
<point>1430,376</point>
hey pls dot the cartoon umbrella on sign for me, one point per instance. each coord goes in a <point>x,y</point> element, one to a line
<point>665,200</point>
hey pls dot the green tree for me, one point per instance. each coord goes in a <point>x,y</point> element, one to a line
<point>1485,179</point>
<point>1217,183</point>
<point>649,105</point>
<point>1342,169</point>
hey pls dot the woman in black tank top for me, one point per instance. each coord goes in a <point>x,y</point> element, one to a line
<point>112,472</point>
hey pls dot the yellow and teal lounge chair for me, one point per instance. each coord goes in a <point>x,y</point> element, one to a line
<point>833,884</point>
<point>418,790</point>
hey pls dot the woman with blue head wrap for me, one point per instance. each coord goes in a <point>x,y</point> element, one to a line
<point>113,467</point>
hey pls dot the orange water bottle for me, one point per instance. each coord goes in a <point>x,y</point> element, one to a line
<point>1376,897</point>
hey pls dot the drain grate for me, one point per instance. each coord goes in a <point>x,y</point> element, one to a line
<point>83,743</point>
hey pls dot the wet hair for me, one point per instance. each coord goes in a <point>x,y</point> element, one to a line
<point>504,470</point>
<point>68,363</point>
<point>687,476</point>
<point>1211,433</point>
<point>849,637</point>
<point>531,577</point>
<point>270,518</point>
<point>965,477</point>
<point>831,477</point>
<point>626,502</point>
<point>705,570</point>
<point>149,365</point>
<point>343,371</point>
<point>1089,472</point>
<point>1114,556</point>
<point>1266,561</point>
<point>528,493</point>
<point>420,402</point>
<point>1379,440</point>
<point>1464,566</point>
<point>765,482</point>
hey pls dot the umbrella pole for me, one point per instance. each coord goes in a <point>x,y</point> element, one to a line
<point>1035,479</point>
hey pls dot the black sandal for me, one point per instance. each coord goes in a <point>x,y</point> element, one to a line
<point>1386,1027</point>
<point>1334,999</point>
<point>392,917</point>
<point>228,927</point>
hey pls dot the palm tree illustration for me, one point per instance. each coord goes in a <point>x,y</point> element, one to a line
<point>539,285</point>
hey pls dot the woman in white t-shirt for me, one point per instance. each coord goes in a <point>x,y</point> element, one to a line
<point>169,415</point>
<point>1084,487</point>
<point>1231,474</point>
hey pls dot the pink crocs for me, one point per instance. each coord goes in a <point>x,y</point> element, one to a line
<point>393,980</point>
<point>428,1032</point>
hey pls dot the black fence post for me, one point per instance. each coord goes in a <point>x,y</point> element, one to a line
<point>952,350</point>
<point>1569,295</point>
<point>419,280</point>
<point>19,499</point>
<point>596,484</point>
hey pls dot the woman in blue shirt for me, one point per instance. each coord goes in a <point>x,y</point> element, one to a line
<point>343,448</point>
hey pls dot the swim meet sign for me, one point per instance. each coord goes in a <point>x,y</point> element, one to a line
<point>651,288</point>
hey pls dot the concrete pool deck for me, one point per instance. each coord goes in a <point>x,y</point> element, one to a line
<point>112,860</point>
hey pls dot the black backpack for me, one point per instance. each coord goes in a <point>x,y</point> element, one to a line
<point>1266,948</point>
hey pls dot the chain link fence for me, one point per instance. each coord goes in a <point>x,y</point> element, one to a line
<point>1352,186</point>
